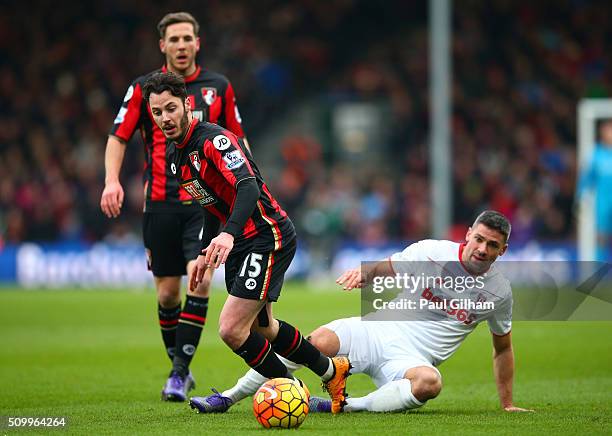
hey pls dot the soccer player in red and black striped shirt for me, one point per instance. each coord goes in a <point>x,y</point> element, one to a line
<point>172,221</point>
<point>245,228</point>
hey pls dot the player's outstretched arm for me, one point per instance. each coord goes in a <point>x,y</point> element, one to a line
<point>357,277</point>
<point>112,196</point>
<point>503,367</point>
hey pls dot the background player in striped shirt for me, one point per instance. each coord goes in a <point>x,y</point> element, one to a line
<point>172,221</point>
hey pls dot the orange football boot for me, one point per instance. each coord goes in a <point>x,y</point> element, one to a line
<point>336,386</point>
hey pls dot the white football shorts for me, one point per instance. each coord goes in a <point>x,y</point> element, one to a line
<point>377,349</point>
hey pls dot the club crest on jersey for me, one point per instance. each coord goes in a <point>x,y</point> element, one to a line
<point>221,142</point>
<point>209,95</point>
<point>233,159</point>
<point>195,160</point>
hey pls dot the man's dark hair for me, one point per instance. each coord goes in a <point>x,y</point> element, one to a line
<point>495,221</point>
<point>177,17</point>
<point>160,82</point>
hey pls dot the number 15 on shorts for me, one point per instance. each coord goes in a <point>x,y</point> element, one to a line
<point>251,267</point>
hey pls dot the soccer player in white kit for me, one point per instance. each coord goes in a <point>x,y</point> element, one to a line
<point>402,356</point>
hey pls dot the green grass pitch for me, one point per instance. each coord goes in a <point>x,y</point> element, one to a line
<point>96,358</point>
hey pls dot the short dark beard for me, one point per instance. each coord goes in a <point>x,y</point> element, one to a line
<point>184,124</point>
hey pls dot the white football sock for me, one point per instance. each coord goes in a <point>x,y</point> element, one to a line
<point>392,397</point>
<point>291,366</point>
<point>248,384</point>
<point>330,371</point>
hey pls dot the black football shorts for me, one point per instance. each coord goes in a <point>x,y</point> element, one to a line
<point>258,275</point>
<point>171,239</point>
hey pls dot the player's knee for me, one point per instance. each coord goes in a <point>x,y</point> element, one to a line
<point>231,335</point>
<point>168,290</point>
<point>426,385</point>
<point>168,296</point>
<point>325,340</point>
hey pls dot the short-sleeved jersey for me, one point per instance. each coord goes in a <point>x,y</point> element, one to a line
<point>212,99</point>
<point>210,162</point>
<point>435,339</point>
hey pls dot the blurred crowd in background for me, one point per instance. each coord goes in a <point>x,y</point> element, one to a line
<point>519,69</point>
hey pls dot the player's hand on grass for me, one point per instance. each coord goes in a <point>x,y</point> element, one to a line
<point>353,278</point>
<point>517,409</point>
<point>219,248</point>
<point>112,199</point>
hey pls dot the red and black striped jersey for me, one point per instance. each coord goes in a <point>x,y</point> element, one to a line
<point>210,162</point>
<point>212,99</point>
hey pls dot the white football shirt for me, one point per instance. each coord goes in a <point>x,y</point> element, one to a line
<point>453,318</point>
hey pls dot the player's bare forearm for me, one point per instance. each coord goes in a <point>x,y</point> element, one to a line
<point>113,158</point>
<point>364,273</point>
<point>503,367</point>
<point>112,196</point>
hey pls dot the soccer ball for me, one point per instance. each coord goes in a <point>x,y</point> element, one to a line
<point>281,403</point>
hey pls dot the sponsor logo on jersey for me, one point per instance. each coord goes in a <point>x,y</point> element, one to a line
<point>198,193</point>
<point>194,157</point>
<point>233,159</point>
<point>221,142</point>
<point>209,95</point>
